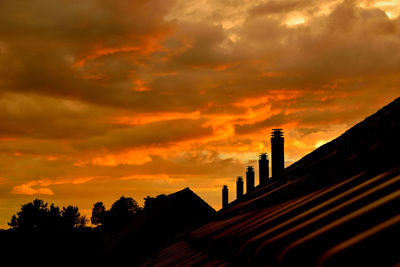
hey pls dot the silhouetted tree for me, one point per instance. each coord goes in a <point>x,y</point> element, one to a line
<point>14,222</point>
<point>98,213</point>
<point>122,211</point>
<point>36,216</point>
<point>71,218</point>
<point>150,203</point>
<point>53,218</point>
<point>32,217</point>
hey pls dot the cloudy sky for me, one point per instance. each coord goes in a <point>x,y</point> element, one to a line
<point>103,98</point>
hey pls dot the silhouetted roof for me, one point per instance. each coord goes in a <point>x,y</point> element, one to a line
<point>173,215</point>
<point>337,206</point>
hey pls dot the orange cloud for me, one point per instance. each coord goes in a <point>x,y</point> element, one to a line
<point>106,51</point>
<point>40,187</point>
<point>133,157</point>
<point>146,177</point>
<point>146,118</point>
<point>140,86</point>
<point>148,45</point>
<point>27,189</point>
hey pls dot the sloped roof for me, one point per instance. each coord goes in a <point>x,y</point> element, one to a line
<point>174,214</point>
<point>337,205</point>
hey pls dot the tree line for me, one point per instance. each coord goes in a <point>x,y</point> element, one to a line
<point>39,216</point>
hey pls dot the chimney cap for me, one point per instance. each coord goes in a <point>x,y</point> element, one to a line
<point>277,133</point>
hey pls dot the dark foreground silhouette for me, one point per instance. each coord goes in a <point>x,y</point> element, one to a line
<point>45,234</point>
<point>42,233</point>
<point>337,206</point>
<point>160,224</point>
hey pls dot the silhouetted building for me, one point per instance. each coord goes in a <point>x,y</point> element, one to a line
<point>340,209</point>
<point>249,179</point>
<point>225,196</point>
<point>277,153</point>
<point>263,169</point>
<point>239,187</point>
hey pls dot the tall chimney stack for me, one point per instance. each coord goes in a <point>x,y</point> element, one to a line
<point>277,151</point>
<point>239,187</point>
<point>263,168</point>
<point>225,196</point>
<point>249,179</point>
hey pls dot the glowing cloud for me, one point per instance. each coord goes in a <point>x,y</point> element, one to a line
<point>27,189</point>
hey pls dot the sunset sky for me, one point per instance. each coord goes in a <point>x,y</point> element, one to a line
<point>103,98</point>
